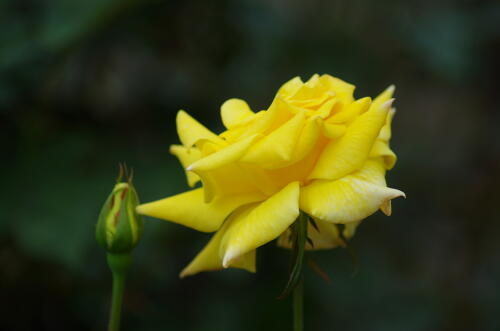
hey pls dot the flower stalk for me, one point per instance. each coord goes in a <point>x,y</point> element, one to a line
<point>297,271</point>
<point>295,284</point>
<point>298,306</point>
<point>119,265</point>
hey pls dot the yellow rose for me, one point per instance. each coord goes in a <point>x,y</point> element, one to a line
<point>316,149</point>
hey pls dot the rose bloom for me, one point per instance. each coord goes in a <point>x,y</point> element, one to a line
<point>316,149</point>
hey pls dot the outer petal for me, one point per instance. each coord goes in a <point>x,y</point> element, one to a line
<point>350,229</point>
<point>349,199</point>
<point>219,172</point>
<point>190,210</point>
<point>383,97</point>
<point>227,155</point>
<point>210,259</point>
<point>349,153</point>
<point>374,172</point>
<point>187,156</point>
<point>276,149</point>
<point>297,171</point>
<point>385,132</point>
<point>261,224</point>
<point>190,131</point>
<point>234,111</point>
<point>381,149</point>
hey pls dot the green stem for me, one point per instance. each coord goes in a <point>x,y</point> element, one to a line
<point>119,265</point>
<point>298,306</point>
<point>116,305</point>
<point>298,286</point>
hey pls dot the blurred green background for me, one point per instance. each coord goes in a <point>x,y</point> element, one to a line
<point>87,84</point>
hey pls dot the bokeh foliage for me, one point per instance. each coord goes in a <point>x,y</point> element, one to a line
<point>87,84</point>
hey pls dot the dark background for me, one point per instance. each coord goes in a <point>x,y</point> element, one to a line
<point>87,84</point>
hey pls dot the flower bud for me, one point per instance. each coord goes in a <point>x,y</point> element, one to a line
<point>119,227</point>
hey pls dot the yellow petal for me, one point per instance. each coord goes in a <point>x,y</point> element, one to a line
<point>290,87</point>
<point>349,153</point>
<point>221,175</point>
<point>386,208</point>
<point>224,156</point>
<point>326,238</point>
<point>373,172</point>
<point>349,199</point>
<point>277,148</point>
<point>190,131</point>
<point>280,111</point>
<point>228,180</point>
<point>261,223</point>
<point>333,131</point>
<point>189,209</point>
<point>187,156</point>
<point>234,111</point>
<point>343,90</point>
<point>307,139</point>
<point>312,94</point>
<point>210,259</point>
<point>350,112</point>
<point>304,156</point>
<point>243,128</point>
<point>299,170</point>
<point>383,97</point>
<point>314,80</point>
<point>350,229</point>
<point>263,122</point>
<point>326,108</point>
<point>381,149</point>
<point>385,132</point>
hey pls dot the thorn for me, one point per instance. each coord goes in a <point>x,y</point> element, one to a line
<point>309,240</point>
<point>313,223</point>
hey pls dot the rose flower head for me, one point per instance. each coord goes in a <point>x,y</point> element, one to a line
<point>316,149</point>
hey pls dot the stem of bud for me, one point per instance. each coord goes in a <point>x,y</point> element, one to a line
<point>119,265</point>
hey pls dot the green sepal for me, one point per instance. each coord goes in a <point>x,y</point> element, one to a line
<point>122,239</point>
<point>100,233</point>
<point>299,239</point>
<point>119,226</point>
